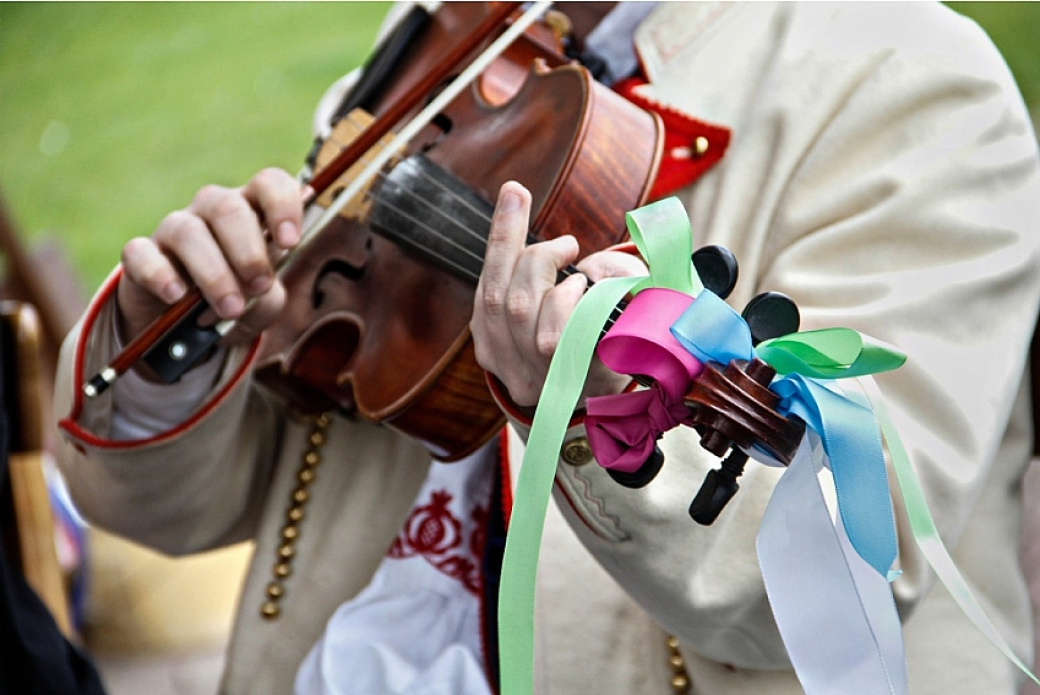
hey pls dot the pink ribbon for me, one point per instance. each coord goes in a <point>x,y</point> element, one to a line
<point>622,429</point>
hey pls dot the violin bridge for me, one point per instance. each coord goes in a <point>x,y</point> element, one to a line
<point>343,133</point>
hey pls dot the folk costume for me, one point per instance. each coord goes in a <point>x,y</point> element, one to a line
<point>873,162</point>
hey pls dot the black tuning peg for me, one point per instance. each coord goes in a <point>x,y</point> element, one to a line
<point>642,476</point>
<point>771,315</point>
<point>718,488</point>
<point>717,268</point>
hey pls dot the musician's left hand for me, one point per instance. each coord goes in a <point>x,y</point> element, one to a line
<point>519,311</point>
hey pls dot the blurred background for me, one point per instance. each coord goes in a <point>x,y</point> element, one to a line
<point>111,115</point>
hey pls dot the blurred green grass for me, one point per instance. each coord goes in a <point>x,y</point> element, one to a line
<point>112,114</point>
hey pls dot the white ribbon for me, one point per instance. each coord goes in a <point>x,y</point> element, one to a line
<point>836,614</point>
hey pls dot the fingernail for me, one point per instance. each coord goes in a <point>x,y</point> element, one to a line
<point>509,201</point>
<point>287,234</point>
<point>174,290</point>
<point>230,306</point>
<point>259,285</point>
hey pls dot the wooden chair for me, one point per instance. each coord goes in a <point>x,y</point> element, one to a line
<point>25,509</point>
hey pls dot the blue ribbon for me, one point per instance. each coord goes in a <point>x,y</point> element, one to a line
<point>712,331</point>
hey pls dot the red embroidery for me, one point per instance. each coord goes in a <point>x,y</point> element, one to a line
<point>433,532</point>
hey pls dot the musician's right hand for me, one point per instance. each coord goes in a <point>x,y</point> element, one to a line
<point>217,243</point>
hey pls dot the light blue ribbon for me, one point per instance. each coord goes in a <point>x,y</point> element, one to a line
<point>712,331</point>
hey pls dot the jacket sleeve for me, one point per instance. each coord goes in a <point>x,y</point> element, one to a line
<point>192,488</point>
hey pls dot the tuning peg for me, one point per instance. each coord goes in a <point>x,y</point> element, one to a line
<point>771,315</point>
<point>718,488</point>
<point>642,476</point>
<point>717,268</point>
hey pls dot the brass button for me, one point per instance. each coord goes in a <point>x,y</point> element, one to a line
<point>700,146</point>
<point>576,452</point>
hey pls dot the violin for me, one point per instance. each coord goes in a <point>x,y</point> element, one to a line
<point>378,315</point>
<point>376,324</point>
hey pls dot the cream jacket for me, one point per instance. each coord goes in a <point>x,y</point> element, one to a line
<point>883,173</point>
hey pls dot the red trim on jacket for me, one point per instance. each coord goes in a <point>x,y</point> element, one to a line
<point>682,161</point>
<point>70,424</point>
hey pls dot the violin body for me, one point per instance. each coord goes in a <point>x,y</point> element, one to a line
<point>376,323</point>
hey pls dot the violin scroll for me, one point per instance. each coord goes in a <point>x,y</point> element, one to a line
<point>731,405</point>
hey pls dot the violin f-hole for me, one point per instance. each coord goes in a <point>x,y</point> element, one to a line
<point>336,266</point>
<point>443,124</point>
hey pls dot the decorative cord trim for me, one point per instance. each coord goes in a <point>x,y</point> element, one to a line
<point>275,592</point>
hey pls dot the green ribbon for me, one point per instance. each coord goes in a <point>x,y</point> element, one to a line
<point>661,232</point>
<point>830,353</point>
<point>926,535</point>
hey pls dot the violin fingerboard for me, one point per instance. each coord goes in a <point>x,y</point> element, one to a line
<point>426,210</point>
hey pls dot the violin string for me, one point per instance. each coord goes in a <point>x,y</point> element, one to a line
<point>477,212</point>
<point>465,272</point>
<point>437,210</point>
<point>431,208</point>
<point>468,274</point>
<point>474,278</point>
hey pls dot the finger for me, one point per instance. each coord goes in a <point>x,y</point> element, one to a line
<point>259,315</point>
<point>534,277</point>
<point>238,231</point>
<point>275,194</point>
<point>557,307</point>
<point>187,240</point>
<point>506,239</point>
<point>148,284</point>
<point>610,264</point>
<point>494,345</point>
<point>150,269</point>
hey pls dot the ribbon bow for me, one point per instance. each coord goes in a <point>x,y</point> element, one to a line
<point>707,329</point>
<point>622,429</point>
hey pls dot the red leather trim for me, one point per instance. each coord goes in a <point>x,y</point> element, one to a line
<point>69,423</point>
<point>521,414</point>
